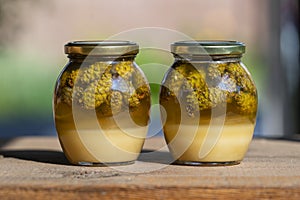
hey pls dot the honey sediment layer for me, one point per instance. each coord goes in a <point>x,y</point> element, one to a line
<point>194,143</point>
<point>88,138</point>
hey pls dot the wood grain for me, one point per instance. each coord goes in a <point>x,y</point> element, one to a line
<point>35,168</point>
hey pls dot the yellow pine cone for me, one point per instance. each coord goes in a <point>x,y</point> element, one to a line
<point>216,96</point>
<point>116,101</point>
<point>68,79</point>
<point>63,79</point>
<point>134,100</point>
<point>96,93</point>
<point>124,69</point>
<point>174,82</point>
<point>138,79</point>
<point>66,95</point>
<point>247,103</point>
<point>196,79</point>
<point>214,72</point>
<point>94,72</point>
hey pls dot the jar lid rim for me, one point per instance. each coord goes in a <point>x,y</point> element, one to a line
<point>102,47</point>
<point>208,47</point>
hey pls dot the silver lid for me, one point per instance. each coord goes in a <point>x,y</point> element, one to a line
<point>102,47</point>
<point>208,47</point>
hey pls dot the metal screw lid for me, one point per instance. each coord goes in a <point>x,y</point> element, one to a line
<point>208,47</point>
<point>102,47</point>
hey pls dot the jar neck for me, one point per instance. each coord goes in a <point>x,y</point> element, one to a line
<point>100,58</point>
<point>208,58</point>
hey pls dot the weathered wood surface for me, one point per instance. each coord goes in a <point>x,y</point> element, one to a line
<point>35,168</point>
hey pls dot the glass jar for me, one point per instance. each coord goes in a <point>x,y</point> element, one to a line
<point>101,103</point>
<point>209,103</point>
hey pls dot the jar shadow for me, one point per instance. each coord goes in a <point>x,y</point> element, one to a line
<point>58,157</point>
<point>154,156</point>
<point>44,156</point>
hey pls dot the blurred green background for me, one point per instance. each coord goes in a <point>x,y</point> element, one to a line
<point>32,35</point>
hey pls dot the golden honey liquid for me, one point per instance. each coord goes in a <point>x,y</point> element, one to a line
<point>88,138</point>
<point>197,140</point>
<point>230,146</point>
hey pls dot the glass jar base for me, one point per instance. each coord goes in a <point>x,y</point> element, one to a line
<point>92,164</point>
<point>212,164</point>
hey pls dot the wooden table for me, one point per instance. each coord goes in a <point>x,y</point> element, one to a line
<point>35,168</point>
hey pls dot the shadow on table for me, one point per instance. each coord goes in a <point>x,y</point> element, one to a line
<point>57,157</point>
<point>154,156</point>
<point>45,156</point>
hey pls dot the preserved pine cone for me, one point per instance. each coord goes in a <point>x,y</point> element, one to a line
<point>66,95</point>
<point>222,67</point>
<point>196,79</point>
<point>140,93</point>
<point>67,83</point>
<point>214,72</point>
<point>216,96</point>
<point>199,97</point>
<point>198,100</point>
<point>227,84</point>
<point>134,100</point>
<point>105,87</point>
<point>71,79</point>
<point>124,69</point>
<point>243,80</point>
<point>204,99</point>
<point>63,79</point>
<point>246,85</point>
<point>93,96</point>
<point>116,99</point>
<point>235,70</point>
<point>68,79</point>
<point>94,72</point>
<point>205,89</point>
<point>96,93</point>
<point>174,82</point>
<point>185,69</point>
<point>247,103</point>
<point>77,94</point>
<point>192,106</point>
<point>138,79</point>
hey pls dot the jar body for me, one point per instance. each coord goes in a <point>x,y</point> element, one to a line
<point>101,109</point>
<point>209,111</point>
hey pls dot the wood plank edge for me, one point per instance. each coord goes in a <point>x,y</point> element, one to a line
<point>136,192</point>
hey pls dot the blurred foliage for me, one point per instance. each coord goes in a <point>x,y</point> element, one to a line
<point>257,66</point>
<point>26,85</point>
<point>154,64</point>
